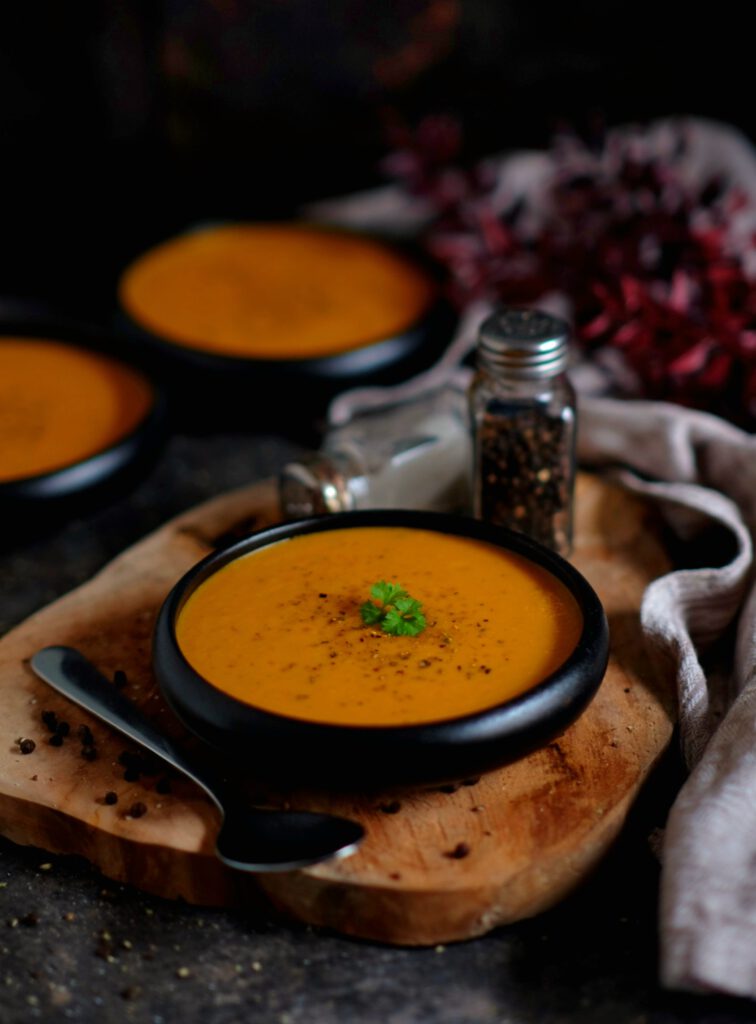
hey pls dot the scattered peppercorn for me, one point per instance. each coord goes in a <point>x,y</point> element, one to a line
<point>26,746</point>
<point>137,810</point>
<point>56,740</point>
<point>111,797</point>
<point>393,807</point>
<point>85,735</point>
<point>50,719</point>
<point>460,850</point>
<point>63,728</point>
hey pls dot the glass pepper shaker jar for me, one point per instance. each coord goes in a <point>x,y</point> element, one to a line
<point>524,420</point>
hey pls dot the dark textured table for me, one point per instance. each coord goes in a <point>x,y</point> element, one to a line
<point>75,946</point>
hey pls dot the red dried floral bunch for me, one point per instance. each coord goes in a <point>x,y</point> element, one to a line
<point>655,269</point>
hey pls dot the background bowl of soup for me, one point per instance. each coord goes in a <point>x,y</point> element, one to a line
<point>281,312</point>
<point>263,650</point>
<point>77,422</point>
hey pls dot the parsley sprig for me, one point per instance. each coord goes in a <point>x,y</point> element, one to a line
<point>397,614</point>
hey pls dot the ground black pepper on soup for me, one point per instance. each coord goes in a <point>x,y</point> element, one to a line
<point>281,628</point>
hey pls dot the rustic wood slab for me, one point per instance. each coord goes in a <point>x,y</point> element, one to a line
<point>438,864</point>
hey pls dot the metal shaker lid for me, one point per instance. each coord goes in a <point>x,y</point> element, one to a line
<point>526,343</point>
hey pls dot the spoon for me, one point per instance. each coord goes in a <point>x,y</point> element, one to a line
<point>250,838</point>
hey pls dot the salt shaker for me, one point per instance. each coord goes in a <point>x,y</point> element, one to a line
<point>524,424</point>
<point>410,454</point>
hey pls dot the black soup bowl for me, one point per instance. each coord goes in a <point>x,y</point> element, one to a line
<point>38,501</point>
<point>298,751</point>
<point>216,383</point>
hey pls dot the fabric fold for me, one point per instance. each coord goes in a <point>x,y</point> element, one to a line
<point>708,887</point>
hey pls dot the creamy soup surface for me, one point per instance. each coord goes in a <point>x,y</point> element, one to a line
<point>280,628</point>
<point>281,291</point>
<point>60,404</point>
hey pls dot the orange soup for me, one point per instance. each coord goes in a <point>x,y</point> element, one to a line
<point>60,404</point>
<point>281,629</point>
<point>281,291</point>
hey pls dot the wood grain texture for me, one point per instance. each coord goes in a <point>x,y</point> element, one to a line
<point>438,864</point>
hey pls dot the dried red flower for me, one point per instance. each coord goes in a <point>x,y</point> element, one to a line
<point>653,266</point>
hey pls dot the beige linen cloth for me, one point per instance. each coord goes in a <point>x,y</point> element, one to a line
<point>708,888</point>
<point>698,468</point>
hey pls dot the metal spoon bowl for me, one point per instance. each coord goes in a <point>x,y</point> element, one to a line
<point>250,838</point>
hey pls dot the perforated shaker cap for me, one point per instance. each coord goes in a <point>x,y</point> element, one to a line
<point>524,343</point>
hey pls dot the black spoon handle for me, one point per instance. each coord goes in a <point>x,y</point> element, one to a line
<point>70,673</point>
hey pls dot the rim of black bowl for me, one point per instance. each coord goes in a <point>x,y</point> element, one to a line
<point>75,479</point>
<point>370,357</point>
<point>541,711</point>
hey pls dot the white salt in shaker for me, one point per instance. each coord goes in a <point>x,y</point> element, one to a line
<point>412,454</point>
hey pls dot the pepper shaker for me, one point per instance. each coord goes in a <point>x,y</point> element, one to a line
<point>524,419</point>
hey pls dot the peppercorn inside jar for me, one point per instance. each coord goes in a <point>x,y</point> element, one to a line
<point>524,420</point>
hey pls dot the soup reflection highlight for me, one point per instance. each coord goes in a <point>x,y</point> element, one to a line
<point>280,628</point>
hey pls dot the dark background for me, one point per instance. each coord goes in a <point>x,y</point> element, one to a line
<point>122,122</point>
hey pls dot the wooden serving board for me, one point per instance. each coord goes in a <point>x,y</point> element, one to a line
<point>437,864</point>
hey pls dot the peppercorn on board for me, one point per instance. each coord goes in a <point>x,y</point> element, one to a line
<point>438,864</point>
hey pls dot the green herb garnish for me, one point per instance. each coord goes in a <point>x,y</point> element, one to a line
<point>397,614</point>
